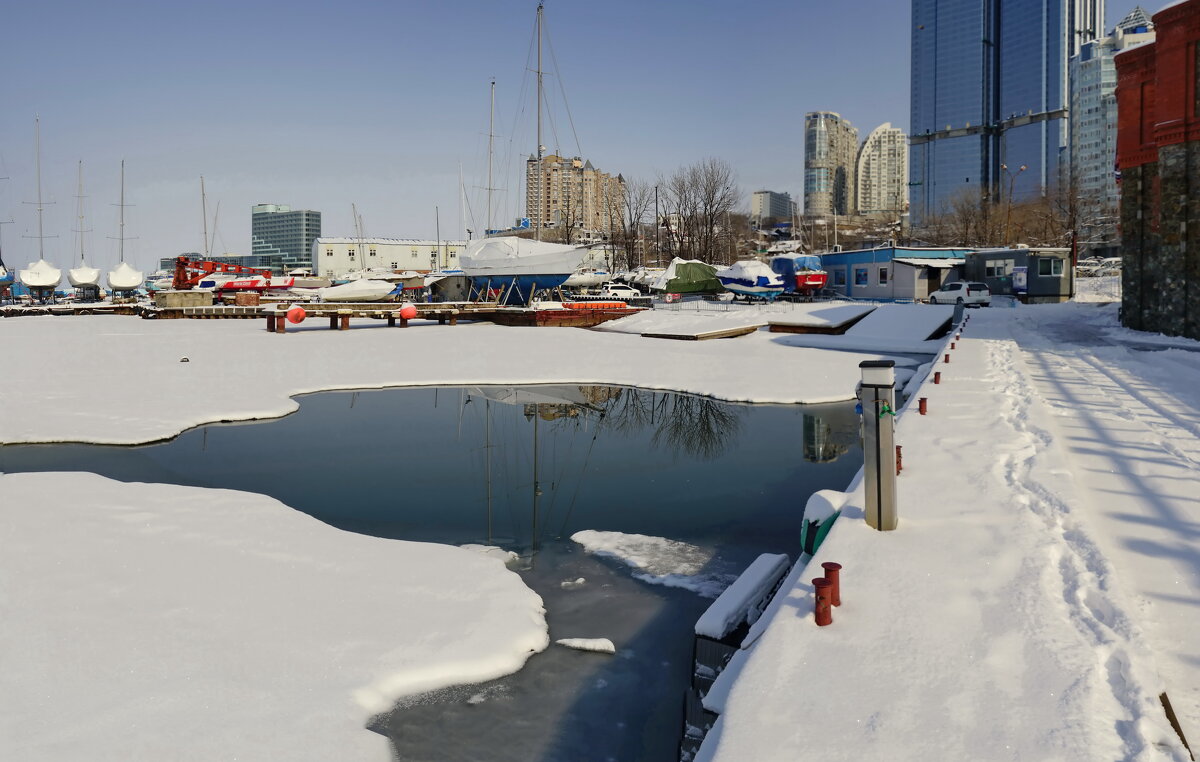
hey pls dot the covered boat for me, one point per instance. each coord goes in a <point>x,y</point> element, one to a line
<point>688,276</point>
<point>802,273</point>
<point>362,290</point>
<point>84,276</point>
<point>40,274</point>
<point>515,267</point>
<point>125,278</point>
<point>751,278</point>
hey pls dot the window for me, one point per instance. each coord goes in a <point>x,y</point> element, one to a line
<point>1052,267</point>
<point>372,251</point>
<point>839,277</point>
<point>329,252</point>
<point>860,276</point>
<point>999,268</point>
<point>883,276</point>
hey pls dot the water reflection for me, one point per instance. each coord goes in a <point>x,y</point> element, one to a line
<point>830,434</point>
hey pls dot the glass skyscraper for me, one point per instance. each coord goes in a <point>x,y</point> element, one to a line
<point>281,231</point>
<point>989,95</point>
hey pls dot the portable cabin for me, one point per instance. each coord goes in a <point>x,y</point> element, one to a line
<point>1032,275</point>
<point>892,273</point>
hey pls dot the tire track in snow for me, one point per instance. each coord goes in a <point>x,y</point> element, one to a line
<point>1081,566</point>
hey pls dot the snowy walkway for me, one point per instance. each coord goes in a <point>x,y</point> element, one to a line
<point>1040,592</point>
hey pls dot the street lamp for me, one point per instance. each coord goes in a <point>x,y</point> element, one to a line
<point>1012,178</point>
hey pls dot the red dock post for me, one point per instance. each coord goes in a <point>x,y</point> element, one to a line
<point>832,573</point>
<point>280,323</point>
<point>899,461</point>
<point>922,405</point>
<point>823,610</point>
<point>947,357</point>
<point>937,377</point>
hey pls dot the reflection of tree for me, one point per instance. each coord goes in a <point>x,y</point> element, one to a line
<point>695,426</point>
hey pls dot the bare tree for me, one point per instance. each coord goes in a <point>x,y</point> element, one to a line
<point>699,201</point>
<point>636,201</point>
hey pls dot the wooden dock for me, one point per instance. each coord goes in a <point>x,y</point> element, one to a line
<point>449,313</point>
<point>726,333</point>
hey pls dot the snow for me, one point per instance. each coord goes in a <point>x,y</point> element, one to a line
<point>1040,591</point>
<point>598,645</point>
<point>658,560</point>
<point>147,621</point>
<point>740,600</point>
<point>115,380</point>
<point>824,503</point>
<point>1038,597</point>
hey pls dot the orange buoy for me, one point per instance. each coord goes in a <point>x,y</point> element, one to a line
<point>408,311</point>
<point>296,314</point>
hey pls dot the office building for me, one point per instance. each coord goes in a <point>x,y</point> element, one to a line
<point>989,96</point>
<point>882,172</point>
<point>830,154</point>
<point>769,205</point>
<point>1158,156</point>
<point>571,193</point>
<point>335,257</point>
<point>1094,131</point>
<point>280,230</point>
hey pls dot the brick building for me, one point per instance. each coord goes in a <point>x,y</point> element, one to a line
<point>1158,155</point>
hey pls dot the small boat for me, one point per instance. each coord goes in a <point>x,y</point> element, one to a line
<point>83,277</point>
<point>125,277</point>
<point>517,267</point>
<point>688,276</point>
<point>220,282</point>
<point>802,273</point>
<point>306,278</point>
<point>40,275</point>
<point>751,278</point>
<point>587,277</point>
<point>362,290</point>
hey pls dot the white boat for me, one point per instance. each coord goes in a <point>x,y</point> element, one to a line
<point>40,274</point>
<point>303,277</point>
<point>363,290</point>
<point>587,277</point>
<point>517,267</point>
<point>751,278</point>
<point>125,277</point>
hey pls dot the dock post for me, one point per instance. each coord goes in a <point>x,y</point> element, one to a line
<point>823,608</point>
<point>345,323</point>
<point>404,322</point>
<point>271,322</point>
<point>833,574</point>
<point>280,323</point>
<point>879,405</point>
<point>391,318</point>
<point>332,321</point>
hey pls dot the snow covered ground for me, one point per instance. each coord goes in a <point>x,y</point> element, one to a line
<point>1039,595</point>
<point>1041,590</point>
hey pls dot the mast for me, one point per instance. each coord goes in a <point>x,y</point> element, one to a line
<point>491,137</point>
<point>38,148</point>
<point>121,226</point>
<point>537,227</point>
<point>79,215</point>
<point>437,226</point>
<point>204,215</point>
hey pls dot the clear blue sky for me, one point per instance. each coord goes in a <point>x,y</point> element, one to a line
<point>320,105</point>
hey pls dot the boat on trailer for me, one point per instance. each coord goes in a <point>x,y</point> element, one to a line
<point>516,268</point>
<point>751,279</point>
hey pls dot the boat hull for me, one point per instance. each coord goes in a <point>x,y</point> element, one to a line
<point>40,274</point>
<point>125,278</point>
<point>358,291</point>
<point>83,277</point>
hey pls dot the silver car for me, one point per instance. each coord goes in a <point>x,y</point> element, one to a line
<point>962,292</point>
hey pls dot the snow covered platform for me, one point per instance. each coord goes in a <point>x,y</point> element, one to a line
<point>704,320</point>
<point>906,328</point>
<point>1039,596</point>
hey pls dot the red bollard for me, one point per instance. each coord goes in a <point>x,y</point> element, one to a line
<point>947,357</point>
<point>899,463</point>
<point>937,377</point>
<point>823,610</point>
<point>922,405</point>
<point>952,345</point>
<point>835,587</point>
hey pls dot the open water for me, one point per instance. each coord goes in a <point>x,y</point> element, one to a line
<point>524,468</point>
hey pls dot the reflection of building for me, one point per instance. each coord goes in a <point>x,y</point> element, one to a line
<point>1158,142</point>
<point>831,434</point>
<point>989,87</point>
<point>1094,130</point>
<point>882,172</point>
<point>830,149</point>
<point>281,230</point>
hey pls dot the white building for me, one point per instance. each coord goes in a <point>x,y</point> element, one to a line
<point>765,204</point>
<point>882,173</point>
<point>1094,128</point>
<point>335,257</point>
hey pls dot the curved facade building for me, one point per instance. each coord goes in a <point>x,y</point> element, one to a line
<point>830,153</point>
<point>882,172</point>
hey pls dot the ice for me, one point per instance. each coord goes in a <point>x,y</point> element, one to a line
<point>599,645</point>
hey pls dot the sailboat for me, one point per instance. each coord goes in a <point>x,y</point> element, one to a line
<point>84,278</point>
<point>40,277</point>
<point>516,268</point>
<point>125,277</point>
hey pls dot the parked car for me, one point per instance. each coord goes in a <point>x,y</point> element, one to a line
<point>619,291</point>
<point>962,292</point>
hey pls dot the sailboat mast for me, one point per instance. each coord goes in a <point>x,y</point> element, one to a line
<point>121,226</point>
<point>204,215</point>
<point>491,137</point>
<point>537,227</point>
<point>38,149</point>
<point>79,215</point>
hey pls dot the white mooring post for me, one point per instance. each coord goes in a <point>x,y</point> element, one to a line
<point>879,404</point>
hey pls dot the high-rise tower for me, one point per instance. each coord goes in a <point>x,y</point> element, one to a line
<point>882,173</point>
<point>276,229</point>
<point>830,150</point>
<point>989,95</point>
